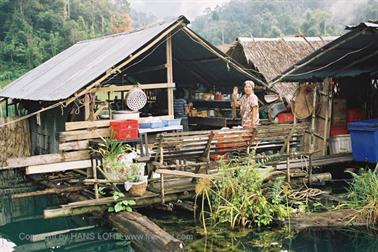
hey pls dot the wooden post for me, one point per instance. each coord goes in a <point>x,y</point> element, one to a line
<point>6,107</point>
<point>122,99</point>
<point>162,193</point>
<point>288,163</point>
<point>86,107</point>
<point>312,134</point>
<point>92,105</point>
<point>94,170</point>
<point>109,106</point>
<point>169,74</point>
<point>15,109</point>
<point>288,149</point>
<point>328,119</point>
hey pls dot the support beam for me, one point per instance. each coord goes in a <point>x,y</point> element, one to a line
<point>359,61</point>
<point>46,159</point>
<point>86,106</point>
<point>47,191</point>
<point>99,205</point>
<point>183,174</point>
<point>202,60</point>
<point>169,73</point>
<point>148,69</point>
<point>57,167</point>
<point>120,88</point>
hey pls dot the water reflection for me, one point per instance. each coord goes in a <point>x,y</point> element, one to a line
<point>22,227</point>
<point>223,239</point>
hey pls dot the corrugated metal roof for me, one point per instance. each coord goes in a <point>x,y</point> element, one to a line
<point>74,68</point>
<point>352,54</point>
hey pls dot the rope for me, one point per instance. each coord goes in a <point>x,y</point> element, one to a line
<point>305,194</point>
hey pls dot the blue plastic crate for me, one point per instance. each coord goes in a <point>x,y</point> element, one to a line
<point>364,135</point>
<point>145,125</point>
<point>172,122</point>
<point>157,124</point>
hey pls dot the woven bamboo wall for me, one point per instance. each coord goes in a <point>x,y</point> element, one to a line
<point>14,140</point>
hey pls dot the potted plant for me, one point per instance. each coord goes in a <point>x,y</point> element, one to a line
<point>112,151</point>
<point>136,182</point>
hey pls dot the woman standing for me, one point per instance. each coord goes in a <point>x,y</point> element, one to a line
<point>249,105</point>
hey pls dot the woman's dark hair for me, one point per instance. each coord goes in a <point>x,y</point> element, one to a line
<point>179,93</point>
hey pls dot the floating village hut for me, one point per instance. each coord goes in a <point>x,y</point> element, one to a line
<point>157,58</point>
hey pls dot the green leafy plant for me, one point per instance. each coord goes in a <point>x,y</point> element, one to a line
<point>240,199</point>
<point>124,205</point>
<point>203,188</point>
<point>101,190</point>
<point>363,192</point>
<point>111,151</point>
<point>239,196</point>
<point>133,173</point>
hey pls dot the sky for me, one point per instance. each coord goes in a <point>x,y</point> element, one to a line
<point>173,8</point>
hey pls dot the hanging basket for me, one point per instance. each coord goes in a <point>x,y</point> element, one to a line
<point>302,103</point>
<point>138,189</point>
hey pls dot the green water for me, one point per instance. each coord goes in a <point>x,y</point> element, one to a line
<point>222,239</point>
<point>21,226</point>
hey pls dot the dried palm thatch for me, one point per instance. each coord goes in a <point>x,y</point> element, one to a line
<point>224,47</point>
<point>271,56</point>
<point>14,140</point>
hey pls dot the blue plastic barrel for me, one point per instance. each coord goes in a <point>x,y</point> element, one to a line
<point>364,136</point>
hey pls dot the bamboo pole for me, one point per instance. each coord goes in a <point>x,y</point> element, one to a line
<point>162,193</point>
<point>47,191</point>
<point>312,134</point>
<point>140,202</point>
<point>169,73</point>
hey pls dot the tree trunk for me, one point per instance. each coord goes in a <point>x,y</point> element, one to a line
<point>146,235</point>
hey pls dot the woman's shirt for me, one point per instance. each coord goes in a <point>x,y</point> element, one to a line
<point>247,102</point>
<point>179,108</point>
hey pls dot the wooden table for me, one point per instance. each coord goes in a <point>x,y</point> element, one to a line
<point>217,122</point>
<point>143,134</point>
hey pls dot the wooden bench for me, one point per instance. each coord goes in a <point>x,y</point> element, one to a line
<point>190,151</point>
<point>181,150</point>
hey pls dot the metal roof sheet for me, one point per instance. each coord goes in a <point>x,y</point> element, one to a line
<point>61,76</point>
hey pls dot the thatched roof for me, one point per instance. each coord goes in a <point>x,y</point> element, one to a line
<point>271,56</point>
<point>224,47</point>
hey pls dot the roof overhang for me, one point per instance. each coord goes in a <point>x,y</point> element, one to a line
<point>353,54</point>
